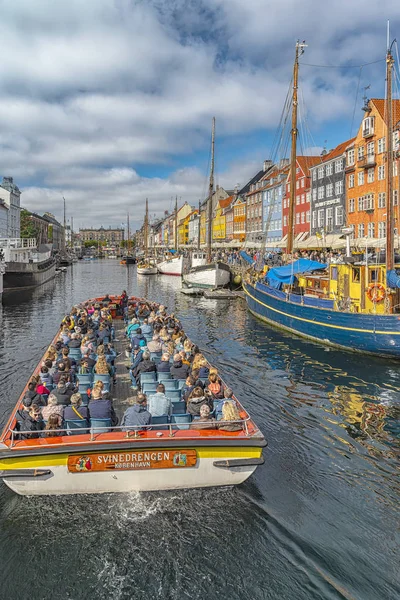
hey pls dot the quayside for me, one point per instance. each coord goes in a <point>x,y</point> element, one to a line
<point>167,454</point>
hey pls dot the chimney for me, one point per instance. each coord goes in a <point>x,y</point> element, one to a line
<point>267,165</point>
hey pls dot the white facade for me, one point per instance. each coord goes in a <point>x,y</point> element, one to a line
<point>11,195</point>
<point>194,223</point>
<point>4,210</point>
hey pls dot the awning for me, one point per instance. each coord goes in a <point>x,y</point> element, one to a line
<point>279,276</point>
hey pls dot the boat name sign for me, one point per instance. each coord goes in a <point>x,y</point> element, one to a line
<point>118,461</point>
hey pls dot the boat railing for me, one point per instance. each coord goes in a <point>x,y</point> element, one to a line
<point>131,431</point>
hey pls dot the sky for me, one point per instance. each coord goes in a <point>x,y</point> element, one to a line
<point>110,102</point>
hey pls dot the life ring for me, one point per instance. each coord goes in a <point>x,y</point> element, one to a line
<point>376,292</point>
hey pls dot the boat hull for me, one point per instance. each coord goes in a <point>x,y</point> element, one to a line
<point>213,467</point>
<point>22,275</point>
<point>208,276</point>
<point>171,267</point>
<point>360,332</point>
<point>147,271</point>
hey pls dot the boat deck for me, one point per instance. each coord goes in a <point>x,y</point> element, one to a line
<point>122,390</point>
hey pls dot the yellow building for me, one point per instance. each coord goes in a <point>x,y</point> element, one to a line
<point>183,230</point>
<point>203,232</point>
<point>219,220</point>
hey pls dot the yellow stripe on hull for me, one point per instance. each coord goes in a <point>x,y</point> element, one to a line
<point>55,460</point>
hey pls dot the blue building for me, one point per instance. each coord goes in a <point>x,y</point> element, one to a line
<point>273,192</point>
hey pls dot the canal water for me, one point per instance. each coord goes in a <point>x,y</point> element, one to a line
<point>318,521</point>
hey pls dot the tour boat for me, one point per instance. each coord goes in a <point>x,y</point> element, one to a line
<point>162,456</point>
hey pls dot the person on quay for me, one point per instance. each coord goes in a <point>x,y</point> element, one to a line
<point>205,421</point>
<point>178,369</point>
<point>137,415</point>
<point>196,400</point>
<point>101,407</point>
<point>158,404</point>
<point>52,408</point>
<point>76,411</point>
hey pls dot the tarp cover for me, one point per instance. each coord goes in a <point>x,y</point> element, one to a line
<point>392,279</point>
<point>287,275</point>
<point>246,257</point>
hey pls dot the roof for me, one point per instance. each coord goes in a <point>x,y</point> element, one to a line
<point>256,178</point>
<point>380,105</point>
<point>226,202</point>
<point>306,162</point>
<point>338,151</point>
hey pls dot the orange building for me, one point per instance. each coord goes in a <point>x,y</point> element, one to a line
<point>366,173</point>
<point>239,219</point>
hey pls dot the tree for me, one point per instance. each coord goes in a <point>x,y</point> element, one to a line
<point>28,228</point>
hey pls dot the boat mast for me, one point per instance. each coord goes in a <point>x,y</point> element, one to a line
<point>293,157</point>
<point>389,175</point>
<point>198,231</point>
<point>146,224</point>
<point>176,223</point>
<point>129,235</point>
<point>210,194</point>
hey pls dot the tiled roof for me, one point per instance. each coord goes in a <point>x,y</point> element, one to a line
<point>380,105</point>
<point>225,202</point>
<point>254,179</point>
<point>306,162</point>
<point>338,151</point>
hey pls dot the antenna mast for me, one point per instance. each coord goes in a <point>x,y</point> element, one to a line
<point>210,194</point>
<point>293,157</point>
<point>389,175</point>
<point>146,224</point>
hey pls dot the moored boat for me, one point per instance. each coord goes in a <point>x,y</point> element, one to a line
<point>162,456</point>
<point>171,266</point>
<point>213,275</point>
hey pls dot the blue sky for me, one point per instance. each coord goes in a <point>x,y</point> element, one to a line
<point>110,101</point>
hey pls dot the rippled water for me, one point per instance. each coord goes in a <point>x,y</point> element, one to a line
<point>319,520</point>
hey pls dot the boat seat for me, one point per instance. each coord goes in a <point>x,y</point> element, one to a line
<point>85,379</point>
<point>181,421</point>
<point>157,421</point>
<point>155,355</point>
<point>149,387</point>
<point>181,383</point>
<point>85,398</point>
<point>178,408</point>
<point>76,426</point>
<point>103,378</point>
<point>170,385</point>
<point>147,377</point>
<point>173,395</point>
<point>98,425</point>
<point>161,377</point>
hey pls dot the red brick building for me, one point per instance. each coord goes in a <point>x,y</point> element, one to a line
<point>302,212</point>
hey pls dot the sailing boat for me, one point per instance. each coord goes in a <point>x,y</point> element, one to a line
<point>173,265</point>
<point>213,274</point>
<point>128,259</point>
<point>347,304</point>
<point>146,266</point>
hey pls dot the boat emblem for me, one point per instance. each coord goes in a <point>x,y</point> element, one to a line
<point>84,464</point>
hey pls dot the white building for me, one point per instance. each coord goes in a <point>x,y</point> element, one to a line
<point>11,195</point>
<point>4,210</point>
<point>194,224</point>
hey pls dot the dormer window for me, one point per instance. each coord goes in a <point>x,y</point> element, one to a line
<point>368,126</point>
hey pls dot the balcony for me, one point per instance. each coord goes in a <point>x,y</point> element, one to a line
<point>367,161</point>
<point>349,168</point>
<point>368,132</point>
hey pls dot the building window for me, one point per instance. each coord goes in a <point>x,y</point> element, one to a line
<point>298,219</point>
<point>303,217</point>
<point>314,194</point>
<point>308,216</point>
<point>329,219</point>
<point>360,204</point>
<point>329,190</point>
<point>351,180</point>
<point>297,200</point>
<point>314,219</point>
<point>352,205</point>
<point>369,202</point>
<point>360,152</point>
<point>308,197</point>
<point>360,230</point>
<point>395,198</point>
<point>371,230</point>
<point>320,172</point>
<point>314,175</point>
<point>303,198</point>
<point>395,168</point>
<point>382,200</point>
<point>284,203</point>
<point>382,229</point>
<point>284,220</point>
<point>339,188</point>
<point>381,172</point>
<point>339,216</point>
<point>371,148</point>
<point>360,178</point>
<point>370,175</point>
<point>339,165</point>
<point>321,217</point>
<point>368,126</point>
<point>303,182</point>
<point>381,145</point>
<point>297,184</point>
<point>321,192</point>
<point>350,157</point>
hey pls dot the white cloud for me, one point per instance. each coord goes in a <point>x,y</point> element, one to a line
<point>93,92</point>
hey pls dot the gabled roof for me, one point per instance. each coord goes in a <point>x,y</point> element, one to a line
<point>226,202</point>
<point>380,105</point>
<point>256,178</point>
<point>306,162</point>
<point>336,152</point>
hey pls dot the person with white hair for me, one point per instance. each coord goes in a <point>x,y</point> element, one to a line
<point>155,344</point>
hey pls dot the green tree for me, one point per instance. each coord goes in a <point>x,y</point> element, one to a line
<point>28,228</point>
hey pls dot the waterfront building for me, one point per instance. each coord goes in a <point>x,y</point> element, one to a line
<point>11,197</point>
<point>302,212</point>
<point>219,194</point>
<point>252,192</point>
<point>239,218</point>
<point>219,219</point>
<point>328,191</point>
<point>273,192</point>
<point>33,225</point>
<point>194,224</point>
<point>366,172</point>
<point>229,220</point>
<point>110,235</point>
<point>4,210</point>
<point>56,233</point>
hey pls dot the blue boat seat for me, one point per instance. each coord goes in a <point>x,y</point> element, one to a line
<point>147,377</point>
<point>76,426</point>
<point>85,398</point>
<point>161,377</point>
<point>178,408</point>
<point>173,395</point>
<point>98,425</point>
<point>170,385</point>
<point>103,378</point>
<point>155,355</point>
<point>181,421</point>
<point>85,379</point>
<point>160,422</point>
<point>149,387</point>
<point>181,383</point>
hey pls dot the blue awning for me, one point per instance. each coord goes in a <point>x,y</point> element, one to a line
<point>392,279</point>
<point>287,275</point>
<point>246,257</point>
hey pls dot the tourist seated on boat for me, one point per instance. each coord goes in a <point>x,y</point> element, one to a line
<point>196,376</point>
<point>86,358</point>
<point>158,404</point>
<point>178,369</point>
<point>205,421</point>
<point>164,335</point>
<point>75,411</point>
<point>132,327</point>
<point>155,344</point>
<point>41,389</point>
<point>63,392</point>
<point>202,365</point>
<point>106,300</point>
<point>50,355</point>
<point>45,376</point>
<point>146,365</point>
<point>138,339</point>
<point>143,311</point>
<point>102,367</point>
<point>103,333</point>
<point>230,413</point>
<point>32,423</point>
<point>60,372</point>
<point>187,346</point>
<point>183,356</point>
<point>33,394</point>
<point>214,385</point>
<point>137,415</point>
<point>52,427</point>
<point>52,408</point>
<point>176,333</point>
<point>146,328</point>
<point>65,335</point>
<point>101,406</point>
<point>164,366</point>
<point>168,347</point>
<point>75,341</point>
<point>196,400</point>
<point>65,358</point>
<point>188,387</point>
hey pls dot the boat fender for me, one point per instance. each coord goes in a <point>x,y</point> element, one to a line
<point>238,462</point>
